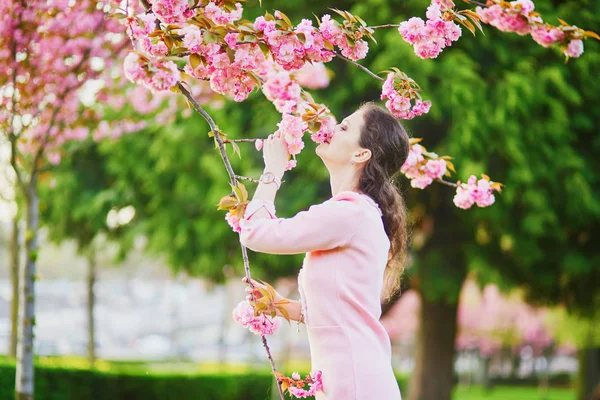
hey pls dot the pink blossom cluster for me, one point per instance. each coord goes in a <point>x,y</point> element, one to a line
<point>430,37</point>
<point>172,11</point>
<point>259,325</point>
<point>518,16</point>
<point>138,28</point>
<point>296,383</point>
<point>333,32</point>
<point>422,171</point>
<point>233,221</point>
<point>226,76</point>
<point>283,91</point>
<point>326,129</point>
<point>400,105</point>
<point>218,15</point>
<point>475,191</point>
<point>291,49</point>
<point>488,320</point>
<point>514,18</point>
<point>156,75</point>
<point>313,75</point>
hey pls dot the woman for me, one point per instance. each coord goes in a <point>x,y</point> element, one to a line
<point>354,244</point>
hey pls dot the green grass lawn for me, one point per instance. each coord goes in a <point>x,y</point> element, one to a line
<point>511,393</point>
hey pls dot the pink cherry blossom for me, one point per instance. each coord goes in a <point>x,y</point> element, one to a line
<point>435,168</point>
<point>574,49</point>
<point>475,191</point>
<point>192,38</point>
<point>399,104</point>
<point>545,36</point>
<point>218,15</point>
<point>326,130</point>
<point>258,143</point>
<point>260,325</point>
<point>313,76</point>
<point>280,86</point>
<point>331,29</point>
<point>233,221</point>
<point>171,11</point>
<point>429,37</point>
<point>291,164</point>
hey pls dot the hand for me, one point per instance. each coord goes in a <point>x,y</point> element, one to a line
<point>262,304</point>
<point>253,289</point>
<point>275,154</point>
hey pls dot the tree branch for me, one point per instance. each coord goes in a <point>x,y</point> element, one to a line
<point>384,26</point>
<point>233,179</point>
<point>246,178</point>
<point>214,129</point>
<point>367,70</point>
<point>443,182</point>
<point>243,140</point>
<point>477,3</point>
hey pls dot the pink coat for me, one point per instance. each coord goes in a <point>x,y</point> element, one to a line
<point>340,283</point>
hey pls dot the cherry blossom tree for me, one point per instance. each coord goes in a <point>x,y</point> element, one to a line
<point>61,79</point>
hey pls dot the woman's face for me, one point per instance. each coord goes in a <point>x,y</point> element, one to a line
<point>344,146</point>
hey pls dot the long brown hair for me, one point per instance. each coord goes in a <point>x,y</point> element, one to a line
<point>388,141</point>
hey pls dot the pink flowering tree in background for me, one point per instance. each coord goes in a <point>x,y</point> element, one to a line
<point>488,321</point>
<point>177,42</point>
<point>61,79</point>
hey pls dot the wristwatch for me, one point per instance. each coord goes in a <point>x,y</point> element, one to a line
<point>269,177</point>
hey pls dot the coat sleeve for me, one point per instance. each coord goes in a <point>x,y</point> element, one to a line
<point>323,226</point>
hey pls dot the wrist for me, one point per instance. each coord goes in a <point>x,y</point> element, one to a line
<point>278,173</point>
<point>271,177</point>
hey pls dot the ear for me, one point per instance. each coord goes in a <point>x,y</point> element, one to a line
<point>362,156</point>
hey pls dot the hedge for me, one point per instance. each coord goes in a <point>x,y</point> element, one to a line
<point>60,383</point>
<point>72,384</point>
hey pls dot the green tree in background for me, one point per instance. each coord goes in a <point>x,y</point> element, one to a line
<point>75,200</point>
<point>513,109</point>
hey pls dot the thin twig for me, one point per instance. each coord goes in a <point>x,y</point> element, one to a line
<point>367,70</point>
<point>246,178</point>
<point>477,3</point>
<point>443,182</point>
<point>243,140</point>
<point>214,129</point>
<point>383,26</point>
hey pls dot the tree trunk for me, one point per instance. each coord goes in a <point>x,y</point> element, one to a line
<point>14,279</point>
<point>432,377</point>
<point>589,372</point>
<point>24,379</point>
<point>91,299</point>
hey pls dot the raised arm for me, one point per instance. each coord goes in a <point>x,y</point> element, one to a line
<point>322,227</point>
